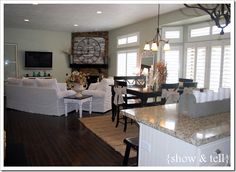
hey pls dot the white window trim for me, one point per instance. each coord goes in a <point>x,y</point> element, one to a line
<point>177,40</point>
<point>205,37</point>
<point>128,44</point>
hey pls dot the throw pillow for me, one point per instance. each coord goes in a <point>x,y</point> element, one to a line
<point>28,82</point>
<point>48,83</point>
<point>14,81</point>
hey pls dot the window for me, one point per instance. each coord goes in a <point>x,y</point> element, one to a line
<point>206,31</point>
<point>128,40</point>
<point>190,66</point>
<point>195,65</point>
<point>200,32</point>
<point>220,59</point>
<point>200,66</point>
<point>127,63</point>
<point>172,59</point>
<point>215,68</point>
<point>216,30</point>
<point>216,57</point>
<point>226,76</point>
<point>173,34</point>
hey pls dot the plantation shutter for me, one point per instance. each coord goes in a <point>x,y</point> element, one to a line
<point>172,61</point>
<point>131,63</point>
<point>226,76</point>
<point>121,64</point>
<point>200,66</point>
<point>215,68</point>
<point>126,63</point>
<point>190,63</point>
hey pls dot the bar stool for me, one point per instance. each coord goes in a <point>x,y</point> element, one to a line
<point>132,142</point>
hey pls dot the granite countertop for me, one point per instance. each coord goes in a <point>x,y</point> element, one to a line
<point>196,131</point>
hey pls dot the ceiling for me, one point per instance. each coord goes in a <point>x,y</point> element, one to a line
<point>62,17</point>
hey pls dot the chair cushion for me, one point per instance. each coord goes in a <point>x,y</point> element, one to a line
<point>94,93</point>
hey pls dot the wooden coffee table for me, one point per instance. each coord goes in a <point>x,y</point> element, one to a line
<point>79,101</point>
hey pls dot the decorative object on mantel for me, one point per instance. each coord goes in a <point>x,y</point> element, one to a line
<point>197,104</point>
<point>219,13</point>
<point>160,74</point>
<point>157,40</point>
<point>77,81</point>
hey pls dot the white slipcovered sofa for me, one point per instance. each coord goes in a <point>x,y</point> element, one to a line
<point>41,96</point>
<point>101,93</point>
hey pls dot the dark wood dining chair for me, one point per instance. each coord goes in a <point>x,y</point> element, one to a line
<point>132,81</point>
<point>128,81</point>
<point>127,104</point>
<point>190,84</point>
<point>185,80</point>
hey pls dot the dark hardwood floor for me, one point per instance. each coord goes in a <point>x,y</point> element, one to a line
<point>42,140</point>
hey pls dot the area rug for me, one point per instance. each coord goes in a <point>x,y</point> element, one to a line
<point>105,129</point>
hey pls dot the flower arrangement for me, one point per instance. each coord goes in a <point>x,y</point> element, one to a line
<point>76,77</point>
<point>160,74</point>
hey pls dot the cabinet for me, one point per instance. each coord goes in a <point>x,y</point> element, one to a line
<point>157,148</point>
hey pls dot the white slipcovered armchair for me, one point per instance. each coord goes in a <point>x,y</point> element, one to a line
<point>101,93</point>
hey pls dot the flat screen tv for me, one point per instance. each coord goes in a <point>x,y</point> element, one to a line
<point>37,59</point>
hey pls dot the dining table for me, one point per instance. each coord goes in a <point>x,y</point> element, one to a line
<point>144,93</point>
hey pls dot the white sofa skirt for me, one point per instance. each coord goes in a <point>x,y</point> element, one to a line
<point>36,100</point>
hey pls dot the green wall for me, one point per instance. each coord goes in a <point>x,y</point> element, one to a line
<point>39,40</point>
<point>147,30</point>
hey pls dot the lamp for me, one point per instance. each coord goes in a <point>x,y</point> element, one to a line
<point>157,39</point>
<point>217,12</point>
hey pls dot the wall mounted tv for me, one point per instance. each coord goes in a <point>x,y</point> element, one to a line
<point>37,59</point>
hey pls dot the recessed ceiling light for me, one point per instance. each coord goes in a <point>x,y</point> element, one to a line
<point>99,12</point>
<point>26,20</point>
<point>76,25</point>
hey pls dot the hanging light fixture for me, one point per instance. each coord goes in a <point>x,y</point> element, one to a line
<point>155,43</point>
<point>220,13</point>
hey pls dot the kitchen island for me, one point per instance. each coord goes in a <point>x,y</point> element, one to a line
<point>171,139</point>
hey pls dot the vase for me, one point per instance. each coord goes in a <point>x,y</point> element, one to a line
<point>79,87</point>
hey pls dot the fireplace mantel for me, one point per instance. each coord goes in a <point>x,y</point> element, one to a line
<point>104,66</point>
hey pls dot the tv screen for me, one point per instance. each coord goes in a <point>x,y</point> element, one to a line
<point>36,59</point>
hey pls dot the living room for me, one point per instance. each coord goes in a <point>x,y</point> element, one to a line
<point>61,29</point>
